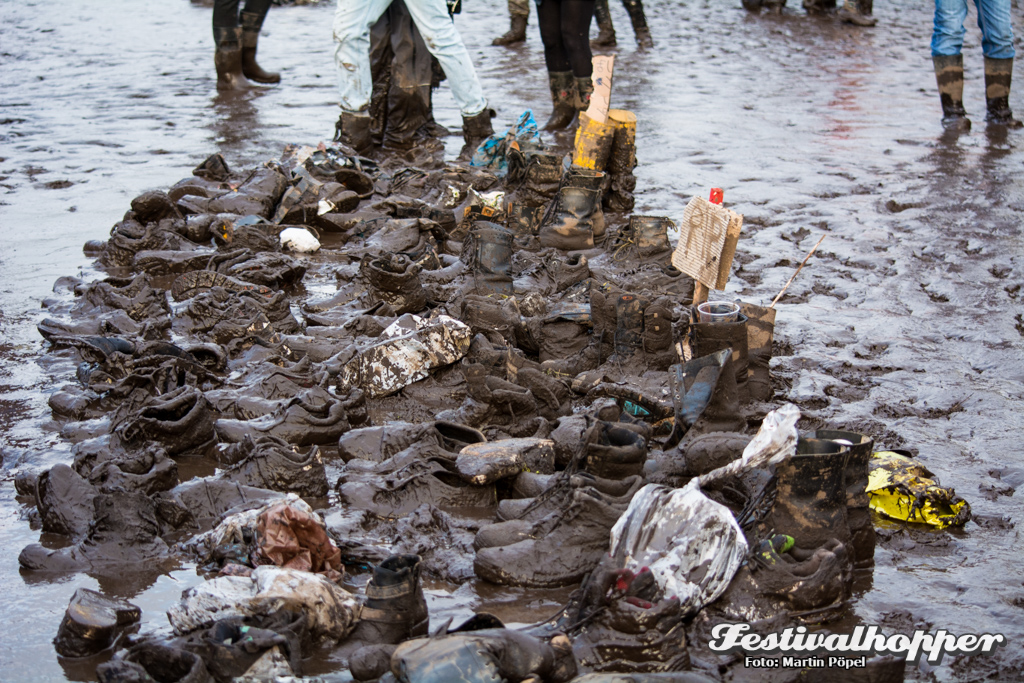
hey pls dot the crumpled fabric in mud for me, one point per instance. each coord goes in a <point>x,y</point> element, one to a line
<point>900,488</point>
<point>296,539</point>
<point>491,153</point>
<point>332,612</point>
<point>286,533</point>
<point>409,349</point>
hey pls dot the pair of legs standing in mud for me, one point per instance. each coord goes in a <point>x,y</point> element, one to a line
<point>997,46</point>
<point>519,14</point>
<point>352,23</point>
<point>236,37</point>
<point>565,32</point>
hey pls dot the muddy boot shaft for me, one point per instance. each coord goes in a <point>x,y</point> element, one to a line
<point>354,130</point>
<point>705,397</point>
<point>711,337</point>
<point>476,128</point>
<point>252,22</point>
<point>998,74</point>
<point>516,32</point>
<point>949,74</point>
<point>629,328</point>
<point>395,279</point>
<point>563,100</point>
<point>760,334</point>
<point>584,89</point>
<point>613,451</point>
<point>606,30</point>
<point>646,238</point>
<point>810,498</point>
<point>862,531</point>
<point>228,59</point>
<point>636,16</point>
<point>395,608</point>
<point>490,258</point>
<point>92,622</point>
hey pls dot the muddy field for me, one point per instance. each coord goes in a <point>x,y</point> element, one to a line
<point>907,325</point>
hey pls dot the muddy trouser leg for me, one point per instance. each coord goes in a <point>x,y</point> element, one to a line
<point>352,23</point>
<point>519,8</point>
<point>381,59</point>
<point>435,25</point>
<point>408,101</point>
<point>225,20</point>
<point>603,15</point>
<point>258,10</point>
<point>635,8</point>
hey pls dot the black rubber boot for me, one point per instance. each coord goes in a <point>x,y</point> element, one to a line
<point>563,97</point>
<point>998,75</point>
<point>705,397</point>
<point>353,129</point>
<point>606,30</point>
<point>636,15</point>
<point>629,328</point>
<point>949,74</point>
<point>711,337</point>
<point>591,180</point>
<point>614,452</point>
<point>810,498</point>
<point>760,333</point>
<point>516,32</point>
<point>228,59</point>
<point>252,22</point>
<point>862,531</point>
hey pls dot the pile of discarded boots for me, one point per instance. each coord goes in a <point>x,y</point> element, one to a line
<point>501,379</point>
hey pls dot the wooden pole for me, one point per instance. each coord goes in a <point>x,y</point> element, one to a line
<point>799,268</point>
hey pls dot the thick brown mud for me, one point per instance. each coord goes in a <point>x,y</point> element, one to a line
<point>907,324</point>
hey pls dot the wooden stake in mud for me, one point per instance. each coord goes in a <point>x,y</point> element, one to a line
<point>799,268</point>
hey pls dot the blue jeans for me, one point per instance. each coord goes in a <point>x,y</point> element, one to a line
<point>352,22</point>
<point>993,20</point>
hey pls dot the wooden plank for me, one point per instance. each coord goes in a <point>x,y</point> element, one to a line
<point>601,99</point>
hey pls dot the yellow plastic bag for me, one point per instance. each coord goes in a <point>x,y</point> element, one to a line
<point>901,488</point>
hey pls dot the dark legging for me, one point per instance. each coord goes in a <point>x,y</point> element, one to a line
<point>565,31</point>
<point>225,13</point>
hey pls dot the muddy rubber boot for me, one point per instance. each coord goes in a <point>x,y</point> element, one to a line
<point>614,452</point>
<point>489,256</point>
<point>862,531</point>
<point>760,333</point>
<point>998,74</point>
<point>949,74</point>
<point>152,661</point>
<point>395,608</point>
<point>353,129</point>
<point>705,397</point>
<point>711,337</point>
<point>584,89</point>
<point>516,32</point>
<point>228,60</point>
<point>571,224</point>
<point>252,22</point>
<point>866,8</point>
<point>850,13</point>
<point>395,279</point>
<point>635,8</point>
<point>606,30</point>
<point>563,100</point>
<point>591,180</point>
<point>810,497</point>
<point>646,238</point>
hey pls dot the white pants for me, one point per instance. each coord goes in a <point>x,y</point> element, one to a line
<point>352,22</point>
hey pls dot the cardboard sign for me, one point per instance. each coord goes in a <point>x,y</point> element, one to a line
<point>601,99</point>
<point>708,235</point>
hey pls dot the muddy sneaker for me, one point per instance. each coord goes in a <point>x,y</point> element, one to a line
<point>92,622</point>
<point>180,421</point>
<point>707,452</point>
<point>148,471</point>
<point>272,463</point>
<point>149,661</point>
<point>556,493</point>
<point>232,648</point>
<point>558,550</point>
<point>613,452</point>
<point>297,422</point>
<point>65,501</point>
<point>401,492</point>
<point>862,530</point>
<point>850,13</point>
<point>188,285</point>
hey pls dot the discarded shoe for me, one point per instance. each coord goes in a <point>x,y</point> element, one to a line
<point>92,623</point>
<point>902,489</point>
